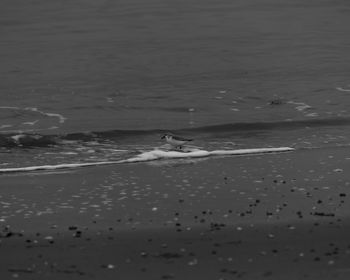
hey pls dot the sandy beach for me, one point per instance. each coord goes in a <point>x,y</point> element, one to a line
<point>85,82</point>
<point>276,216</point>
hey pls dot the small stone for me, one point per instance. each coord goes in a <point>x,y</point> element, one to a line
<point>193,262</point>
<point>110,266</point>
<point>338,170</point>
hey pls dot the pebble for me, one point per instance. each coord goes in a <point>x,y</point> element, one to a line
<point>193,262</point>
<point>110,266</point>
<point>338,170</point>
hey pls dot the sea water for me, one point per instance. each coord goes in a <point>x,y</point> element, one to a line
<point>98,81</point>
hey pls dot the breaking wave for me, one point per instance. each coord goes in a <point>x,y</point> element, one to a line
<point>29,140</point>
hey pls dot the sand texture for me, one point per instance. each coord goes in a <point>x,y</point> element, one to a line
<point>276,216</point>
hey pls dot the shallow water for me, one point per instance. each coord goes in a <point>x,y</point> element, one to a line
<point>91,81</point>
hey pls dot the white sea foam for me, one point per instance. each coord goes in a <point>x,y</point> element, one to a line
<point>195,153</point>
<point>343,89</point>
<point>9,107</point>
<point>301,106</point>
<point>30,123</point>
<point>156,154</point>
<point>61,119</point>
<point>17,137</point>
<point>5,126</point>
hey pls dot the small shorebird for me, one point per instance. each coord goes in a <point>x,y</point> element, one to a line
<point>175,141</point>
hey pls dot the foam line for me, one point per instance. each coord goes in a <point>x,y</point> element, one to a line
<point>301,106</point>
<point>342,89</point>
<point>196,153</point>
<point>55,167</point>
<point>150,156</point>
<point>60,118</point>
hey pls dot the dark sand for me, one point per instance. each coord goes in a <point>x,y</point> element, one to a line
<point>278,216</point>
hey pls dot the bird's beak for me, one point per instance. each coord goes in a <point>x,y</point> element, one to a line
<point>162,137</point>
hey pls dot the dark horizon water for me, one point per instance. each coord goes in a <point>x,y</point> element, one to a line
<point>230,73</point>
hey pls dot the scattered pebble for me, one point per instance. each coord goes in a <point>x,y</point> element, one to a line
<point>193,262</point>
<point>110,266</point>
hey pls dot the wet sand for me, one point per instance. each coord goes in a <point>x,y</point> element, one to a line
<point>278,216</point>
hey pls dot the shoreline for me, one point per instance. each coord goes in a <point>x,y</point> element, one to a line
<point>250,217</point>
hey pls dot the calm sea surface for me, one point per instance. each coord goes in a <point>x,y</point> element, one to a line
<point>84,80</point>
